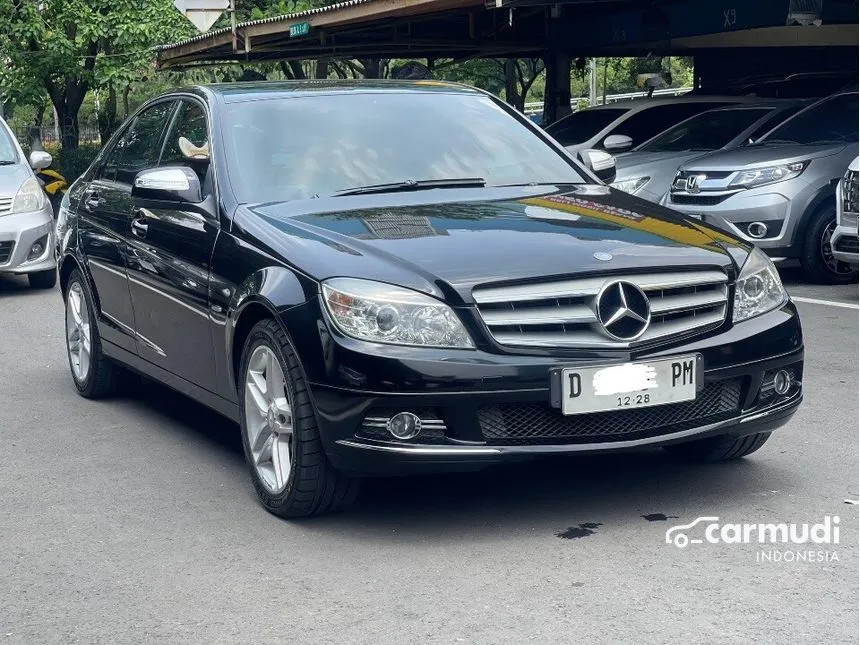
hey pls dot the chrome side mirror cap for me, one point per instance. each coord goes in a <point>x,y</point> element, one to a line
<point>600,163</point>
<point>170,183</point>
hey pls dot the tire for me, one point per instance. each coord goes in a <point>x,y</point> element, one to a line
<point>43,279</point>
<point>288,430</point>
<point>101,377</point>
<point>817,259</point>
<point>721,448</point>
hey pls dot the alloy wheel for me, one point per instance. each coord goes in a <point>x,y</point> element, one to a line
<point>78,333</point>
<point>268,419</point>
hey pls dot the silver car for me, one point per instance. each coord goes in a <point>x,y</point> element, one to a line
<point>779,193</point>
<point>647,171</point>
<point>844,240</point>
<point>26,217</point>
<point>618,127</point>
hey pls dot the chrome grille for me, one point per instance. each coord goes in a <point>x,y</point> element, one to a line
<point>561,313</point>
<point>5,205</point>
<point>850,197</point>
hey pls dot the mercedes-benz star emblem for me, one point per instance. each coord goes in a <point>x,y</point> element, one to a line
<point>623,311</point>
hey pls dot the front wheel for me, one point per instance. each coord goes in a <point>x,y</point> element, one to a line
<point>720,448</point>
<point>289,468</point>
<point>818,260</point>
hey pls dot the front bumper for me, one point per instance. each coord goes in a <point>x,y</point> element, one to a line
<point>18,233</point>
<point>468,398</point>
<point>737,212</point>
<point>844,242</point>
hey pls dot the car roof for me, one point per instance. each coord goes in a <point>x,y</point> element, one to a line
<point>246,90</point>
<point>645,103</point>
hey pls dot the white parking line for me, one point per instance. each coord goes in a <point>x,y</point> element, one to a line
<point>828,303</point>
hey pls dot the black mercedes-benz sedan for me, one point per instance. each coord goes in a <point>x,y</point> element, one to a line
<point>389,278</point>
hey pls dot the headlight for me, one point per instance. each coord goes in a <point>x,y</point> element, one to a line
<point>384,313</point>
<point>762,176</point>
<point>631,185</point>
<point>30,197</point>
<point>758,288</point>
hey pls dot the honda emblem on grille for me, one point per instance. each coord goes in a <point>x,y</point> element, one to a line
<point>693,183</point>
<point>623,311</point>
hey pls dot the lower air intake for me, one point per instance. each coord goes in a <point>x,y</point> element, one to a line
<point>518,424</point>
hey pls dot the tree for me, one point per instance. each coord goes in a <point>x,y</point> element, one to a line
<point>72,46</point>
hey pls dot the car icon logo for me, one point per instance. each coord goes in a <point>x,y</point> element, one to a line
<point>603,256</point>
<point>677,534</point>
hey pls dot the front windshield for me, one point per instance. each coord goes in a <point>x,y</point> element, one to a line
<point>316,145</point>
<point>831,121</point>
<point>7,148</point>
<point>581,126</point>
<point>707,131</point>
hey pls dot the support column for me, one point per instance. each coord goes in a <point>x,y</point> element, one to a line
<point>556,102</point>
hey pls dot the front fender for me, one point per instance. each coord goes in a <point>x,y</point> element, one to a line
<point>268,292</point>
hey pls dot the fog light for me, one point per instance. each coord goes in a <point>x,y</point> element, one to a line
<point>757,230</point>
<point>781,382</point>
<point>404,425</point>
<point>38,248</point>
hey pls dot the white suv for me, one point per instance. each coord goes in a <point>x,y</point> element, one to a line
<point>844,240</point>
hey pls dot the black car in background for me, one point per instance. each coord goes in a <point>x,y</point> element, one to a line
<point>388,278</point>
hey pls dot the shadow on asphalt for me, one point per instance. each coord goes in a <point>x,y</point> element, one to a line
<point>567,490</point>
<point>15,285</point>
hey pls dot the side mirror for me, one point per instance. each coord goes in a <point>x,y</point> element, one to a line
<point>39,160</point>
<point>617,142</point>
<point>600,163</point>
<point>170,184</point>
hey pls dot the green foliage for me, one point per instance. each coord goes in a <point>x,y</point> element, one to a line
<point>72,163</point>
<point>63,48</point>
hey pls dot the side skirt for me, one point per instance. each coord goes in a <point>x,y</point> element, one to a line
<point>221,405</point>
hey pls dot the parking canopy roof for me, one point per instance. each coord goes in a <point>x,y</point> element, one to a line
<point>498,28</point>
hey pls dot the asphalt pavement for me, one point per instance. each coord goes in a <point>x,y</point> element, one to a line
<point>133,520</point>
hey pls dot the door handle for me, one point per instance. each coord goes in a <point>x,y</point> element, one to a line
<point>139,226</point>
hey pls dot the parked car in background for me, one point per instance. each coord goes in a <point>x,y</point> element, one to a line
<point>844,240</point>
<point>26,216</point>
<point>618,127</point>
<point>648,170</point>
<point>779,193</point>
<point>801,85</point>
<point>362,309</point>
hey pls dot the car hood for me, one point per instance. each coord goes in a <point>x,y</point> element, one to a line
<point>448,242</point>
<point>761,156</point>
<point>11,178</point>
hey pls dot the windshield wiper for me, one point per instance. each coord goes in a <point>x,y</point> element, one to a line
<point>7,162</point>
<point>412,184</point>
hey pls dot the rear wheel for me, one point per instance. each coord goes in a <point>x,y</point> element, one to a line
<point>289,467</point>
<point>818,260</point>
<point>43,279</point>
<point>721,448</point>
<point>95,376</point>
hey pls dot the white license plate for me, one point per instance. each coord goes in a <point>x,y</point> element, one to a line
<point>629,385</point>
